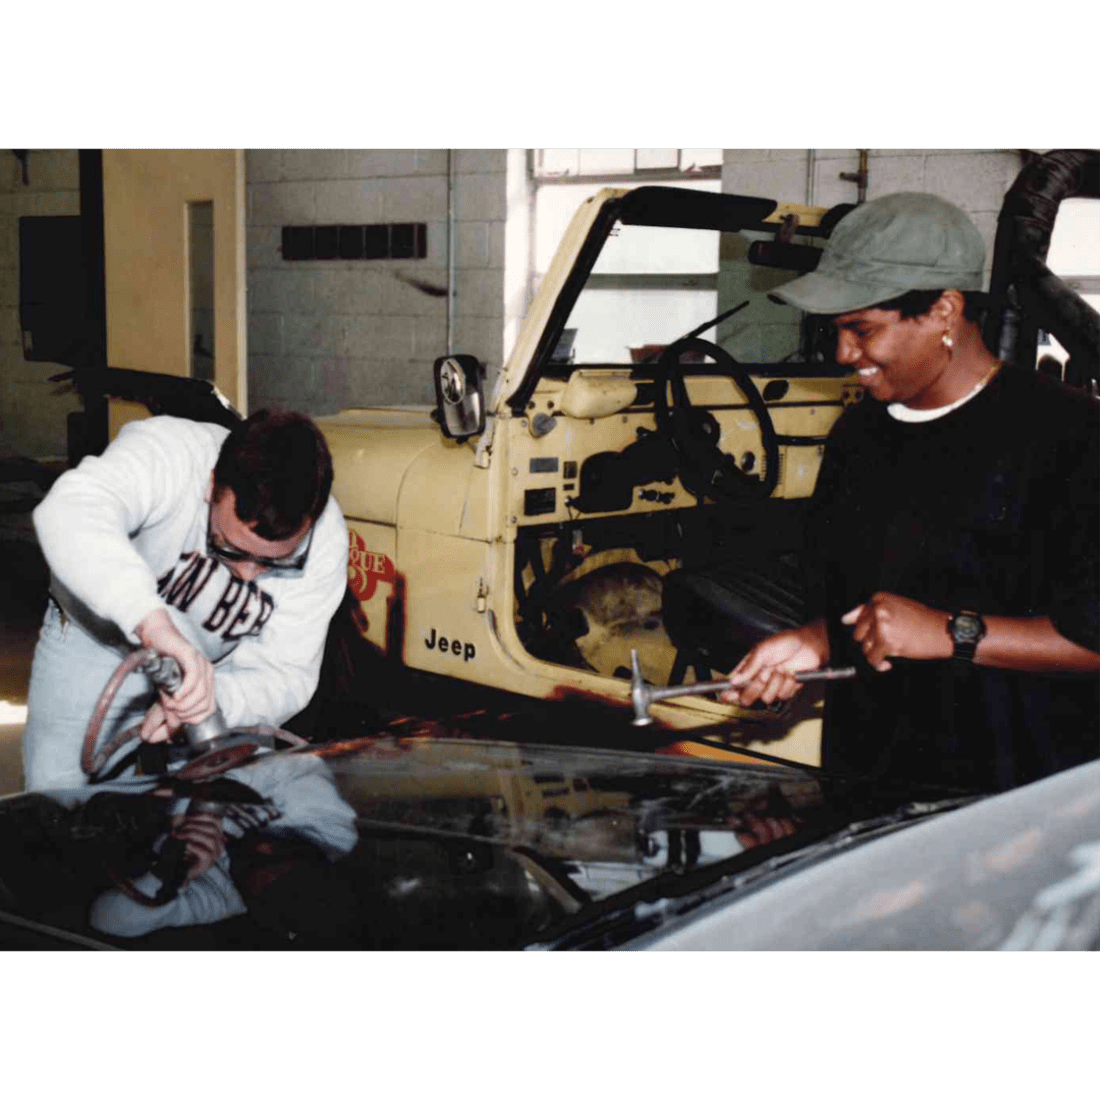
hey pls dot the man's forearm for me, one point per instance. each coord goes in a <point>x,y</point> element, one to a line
<point>888,625</point>
<point>1031,645</point>
<point>815,633</point>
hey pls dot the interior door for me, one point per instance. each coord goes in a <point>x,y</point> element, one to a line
<point>174,244</point>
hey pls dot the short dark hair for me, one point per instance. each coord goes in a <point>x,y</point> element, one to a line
<point>280,470</point>
<point>916,303</point>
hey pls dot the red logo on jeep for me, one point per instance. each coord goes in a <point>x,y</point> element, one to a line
<point>366,568</point>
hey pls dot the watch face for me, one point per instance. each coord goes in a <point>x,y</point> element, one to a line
<point>966,628</point>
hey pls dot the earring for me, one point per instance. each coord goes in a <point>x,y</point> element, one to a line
<point>947,341</point>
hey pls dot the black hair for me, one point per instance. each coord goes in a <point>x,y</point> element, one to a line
<point>916,303</point>
<point>280,470</point>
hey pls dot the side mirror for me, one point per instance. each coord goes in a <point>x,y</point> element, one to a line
<point>460,405</point>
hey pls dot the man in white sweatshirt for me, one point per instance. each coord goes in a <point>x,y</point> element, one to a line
<point>223,549</point>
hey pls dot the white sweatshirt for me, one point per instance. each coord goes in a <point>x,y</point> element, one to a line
<point>125,534</point>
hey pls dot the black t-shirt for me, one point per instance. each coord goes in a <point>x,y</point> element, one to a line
<point>993,507</point>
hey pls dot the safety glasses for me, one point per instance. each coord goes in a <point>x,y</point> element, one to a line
<point>294,562</point>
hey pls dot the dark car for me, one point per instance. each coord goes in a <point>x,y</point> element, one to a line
<point>421,843</point>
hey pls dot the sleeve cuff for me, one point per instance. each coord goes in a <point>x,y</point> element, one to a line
<point>131,616</point>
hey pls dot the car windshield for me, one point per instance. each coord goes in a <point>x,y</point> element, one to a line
<point>392,843</point>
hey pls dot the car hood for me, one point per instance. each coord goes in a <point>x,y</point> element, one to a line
<point>392,842</point>
<point>1014,871</point>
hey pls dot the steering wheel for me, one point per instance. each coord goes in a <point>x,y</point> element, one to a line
<point>704,469</point>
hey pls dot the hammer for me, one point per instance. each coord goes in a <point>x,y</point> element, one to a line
<point>643,694</point>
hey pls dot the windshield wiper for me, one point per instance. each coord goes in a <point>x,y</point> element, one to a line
<point>671,894</point>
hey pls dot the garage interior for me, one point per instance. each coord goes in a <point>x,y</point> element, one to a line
<point>363,266</point>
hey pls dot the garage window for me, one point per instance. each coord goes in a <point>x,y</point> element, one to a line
<point>552,164</point>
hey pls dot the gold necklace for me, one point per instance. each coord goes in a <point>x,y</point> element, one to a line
<point>989,374</point>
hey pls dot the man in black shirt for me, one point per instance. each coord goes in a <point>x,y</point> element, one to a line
<point>954,527</point>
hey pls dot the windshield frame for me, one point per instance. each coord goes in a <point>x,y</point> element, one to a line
<point>650,205</point>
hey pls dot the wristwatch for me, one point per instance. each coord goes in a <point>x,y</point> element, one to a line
<point>967,629</point>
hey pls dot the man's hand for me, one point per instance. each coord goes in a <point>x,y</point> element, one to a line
<point>894,626</point>
<point>158,725</point>
<point>194,699</point>
<point>766,672</point>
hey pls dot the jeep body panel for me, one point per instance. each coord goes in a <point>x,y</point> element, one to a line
<point>372,450</point>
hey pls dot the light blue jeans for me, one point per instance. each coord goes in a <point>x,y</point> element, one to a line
<point>68,676</point>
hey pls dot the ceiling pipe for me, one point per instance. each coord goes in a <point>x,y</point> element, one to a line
<point>859,177</point>
<point>450,250</point>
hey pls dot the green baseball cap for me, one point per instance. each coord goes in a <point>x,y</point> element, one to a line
<point>886,247</point>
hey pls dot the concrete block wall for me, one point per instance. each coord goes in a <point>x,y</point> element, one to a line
<point>33,410</point>
<point>329,334</point>
<point>974,179</point>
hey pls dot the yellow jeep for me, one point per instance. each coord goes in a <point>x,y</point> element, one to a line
<point>635,480</point>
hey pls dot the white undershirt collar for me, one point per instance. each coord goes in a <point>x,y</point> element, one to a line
<point>917,416</point>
